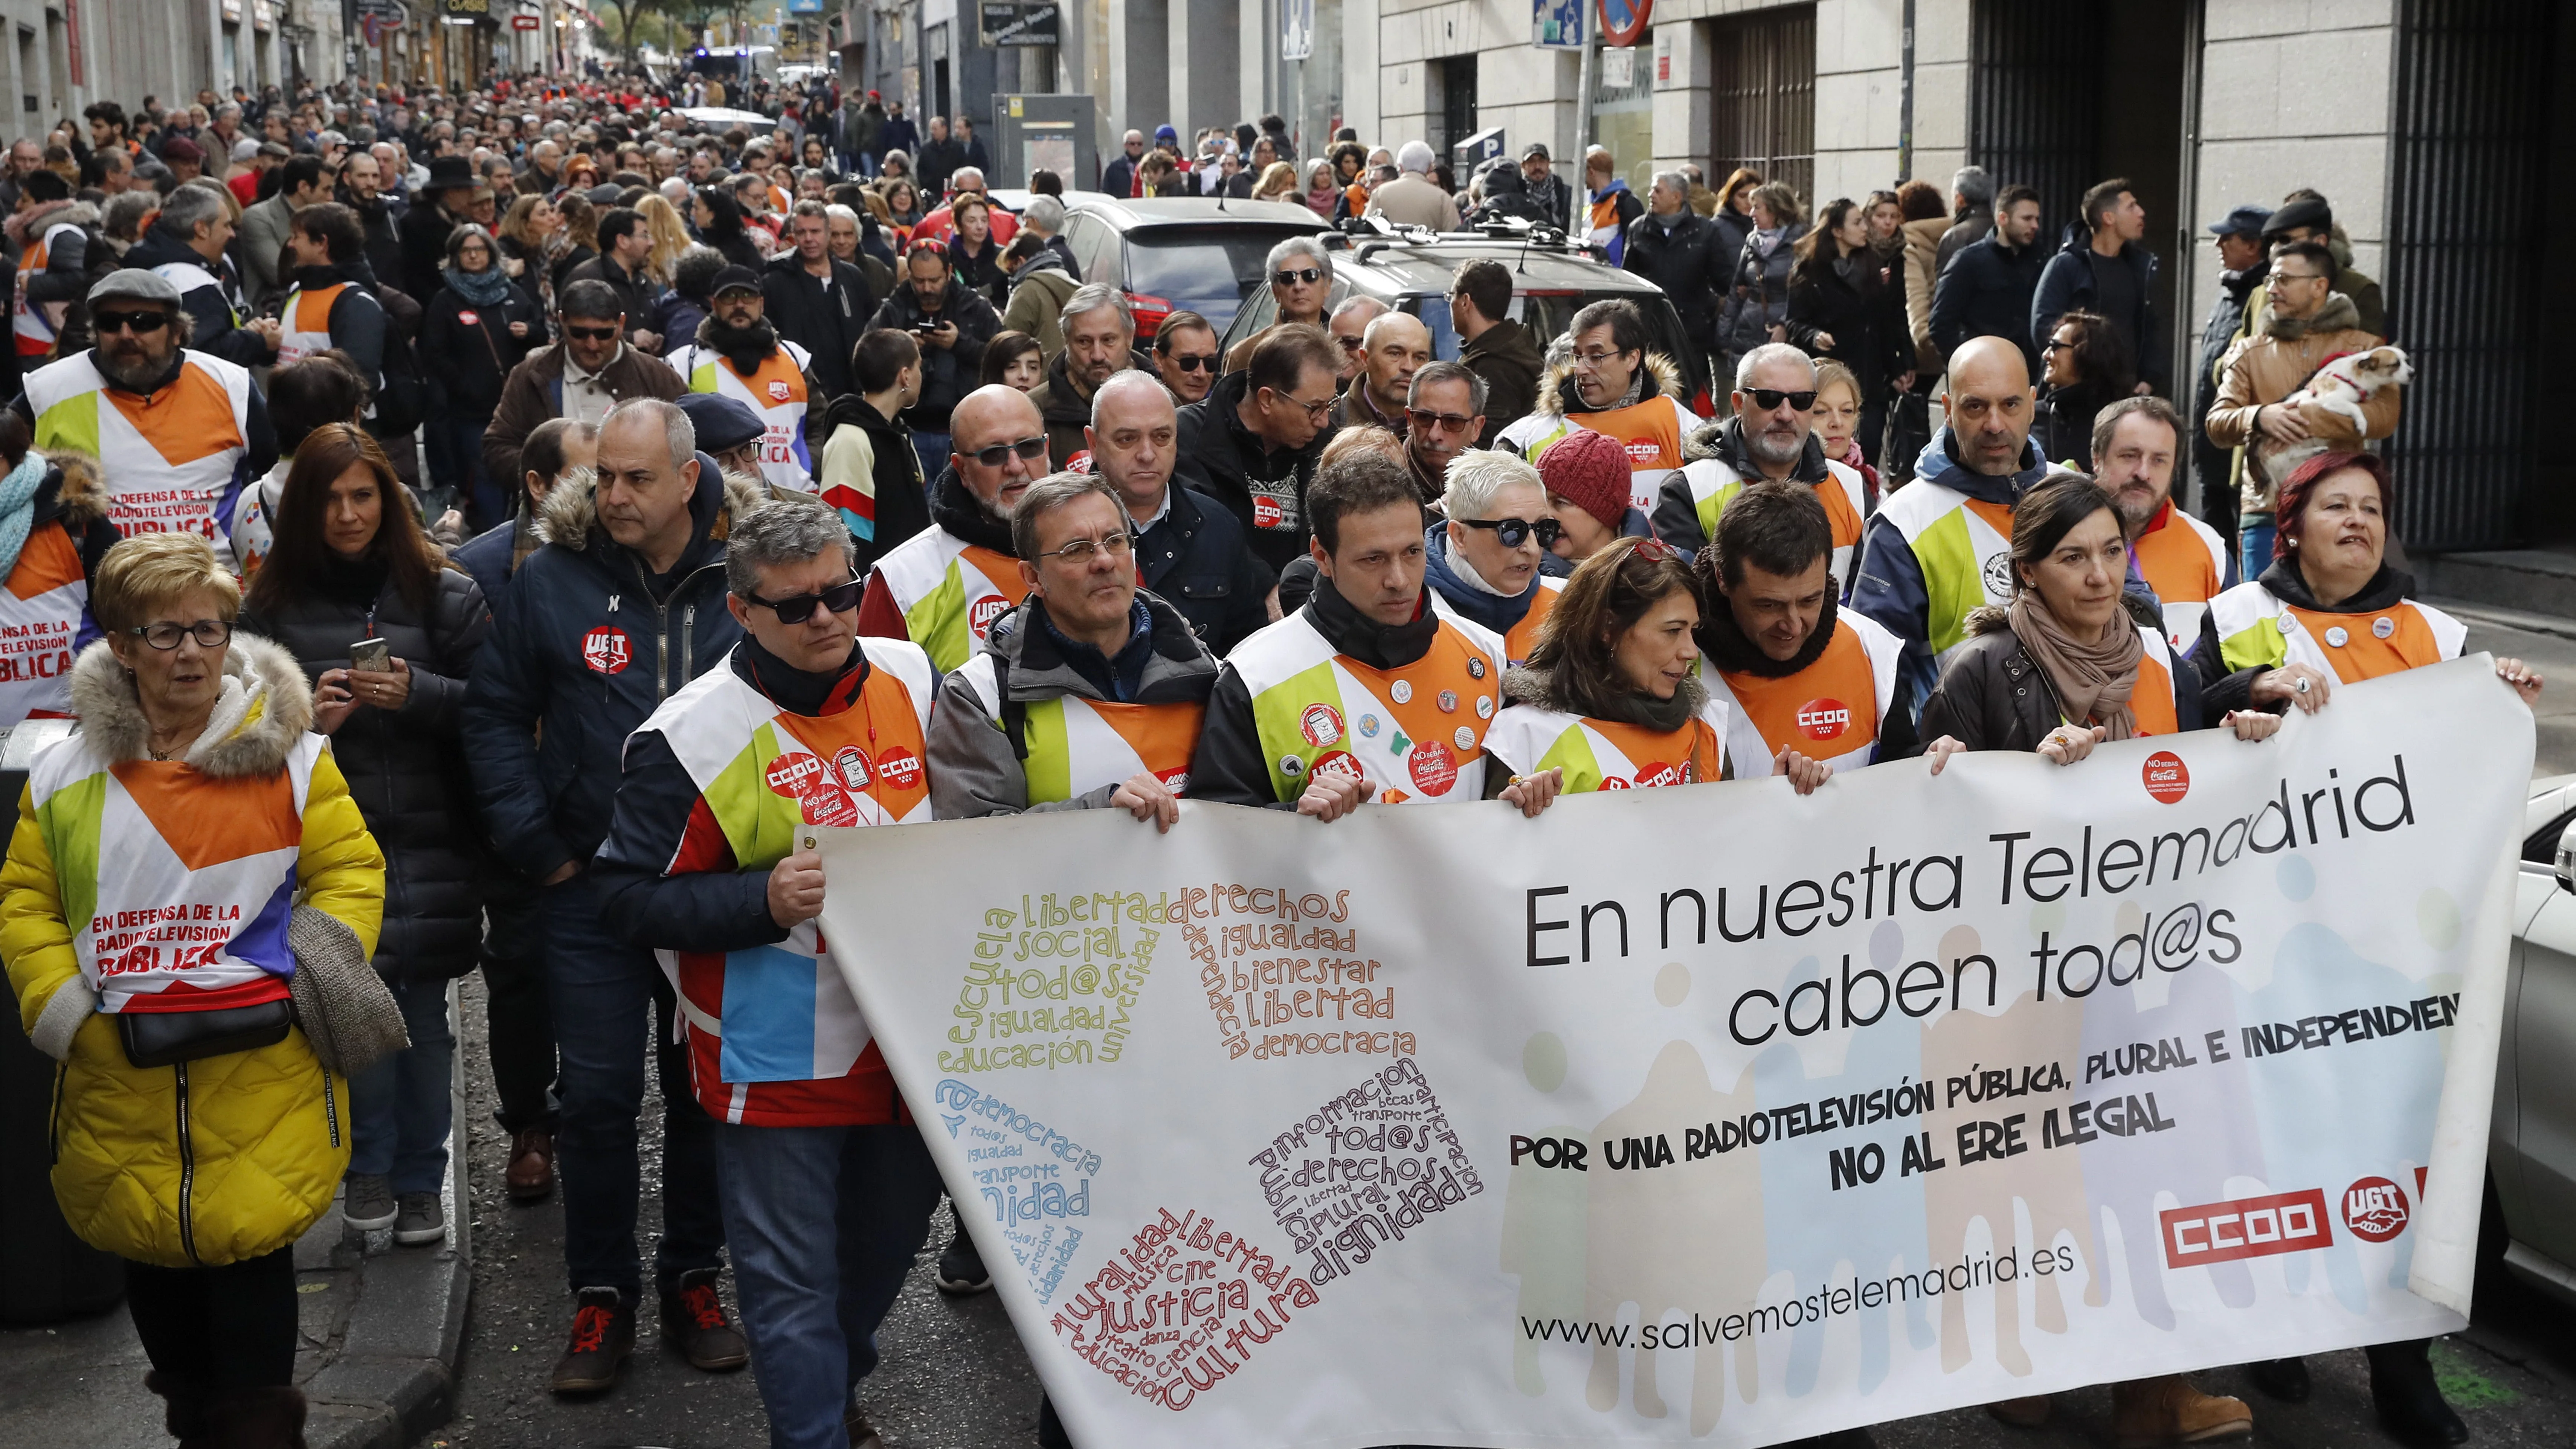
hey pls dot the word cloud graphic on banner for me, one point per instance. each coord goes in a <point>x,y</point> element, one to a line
<point>1717,1115</point>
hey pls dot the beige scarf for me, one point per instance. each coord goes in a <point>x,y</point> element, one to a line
<point>2093,680</point>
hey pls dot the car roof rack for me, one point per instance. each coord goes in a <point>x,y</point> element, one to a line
<point>1366,236</point>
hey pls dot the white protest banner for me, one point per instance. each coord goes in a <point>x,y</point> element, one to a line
<point>1715,1114</point>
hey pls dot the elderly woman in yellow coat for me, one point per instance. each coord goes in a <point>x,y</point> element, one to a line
<point>157,856</point>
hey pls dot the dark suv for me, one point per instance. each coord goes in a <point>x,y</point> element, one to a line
<point>1179,253</point>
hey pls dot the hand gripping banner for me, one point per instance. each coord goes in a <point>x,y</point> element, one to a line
<point>1717,1115</point>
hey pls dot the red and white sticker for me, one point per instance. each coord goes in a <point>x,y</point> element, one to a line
<point>1266,512</point>
<point>1337,763</point>
<point>2166,777</point>
<point>1823,719</point>
<point>793,775</point>
<point>2247,1227</point>
<point>856,772</point>
<point>1655,775</point>
<point>1321,724</point>
<point>2375,1209</point>
<point>466,318</point>
<point>900,768</point>
<point>606,650</point>
<point>828,804</point>
<point>980,617</point>
<point>1434,768</point>
<point>778,389</point>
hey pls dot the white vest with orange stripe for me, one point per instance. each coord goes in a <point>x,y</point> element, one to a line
<point>1713,485</point>
<point>304,323</point>
<point>172,460</point>
<point>1650,431</point>
<point>2256,629</point>
<point>776,393</point>
<point>949,592</point>
<point>1077,745</point>
<point>1599,754</point>
<point>34,326</point>
<point>2185,562</point>
<point>43,610</point>
<point>1829,711</point>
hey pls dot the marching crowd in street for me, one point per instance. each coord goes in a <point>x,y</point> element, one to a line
<point>477,530</point>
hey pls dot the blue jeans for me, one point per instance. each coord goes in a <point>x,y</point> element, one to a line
<point>932,449</point>
<point>399,1108</point>
<point>602,992</point>
<point>2254,542</point>
<point>824,1223</point>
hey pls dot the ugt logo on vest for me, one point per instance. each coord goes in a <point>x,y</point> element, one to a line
<point>2375,1209</point>
<point>980,618</point>
<point>606,650</point>
<point>1823,719</point>
<point>778,389</point>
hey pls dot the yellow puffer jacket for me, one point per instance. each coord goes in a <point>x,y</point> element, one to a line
<point>224,1158</point>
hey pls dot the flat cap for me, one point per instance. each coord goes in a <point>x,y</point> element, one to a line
<point>722,423</point>
<point>136,284</point>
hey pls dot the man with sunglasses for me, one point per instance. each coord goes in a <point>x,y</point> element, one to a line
<point>827,1190</point>
<point>1349,326</point>
<point>579,378</point>
<point>739,354</point>
<point>943,587</point>
<point>1252,444</point>
<point>1301,282</point>
<point>1444,411</point>
<point>1771,436</point>
<point>1492,559</point>
<point>178,434</point>
<point>1613,385</point>
<point>1185,356</point>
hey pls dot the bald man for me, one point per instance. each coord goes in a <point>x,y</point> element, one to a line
<point>1189,548</point>
<point>943,587</point>
<point>1392,349</point>
<point>1942,545</point>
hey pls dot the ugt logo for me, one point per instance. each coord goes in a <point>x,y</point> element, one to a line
<point>2375,1209</point>
<point>606,650</point>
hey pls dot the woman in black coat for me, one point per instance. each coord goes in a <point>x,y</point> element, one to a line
<point>2084,368</point>
<point>1844,305</point>
<point>719,223</point>
<point>472,333</point>
<point>351,563</point>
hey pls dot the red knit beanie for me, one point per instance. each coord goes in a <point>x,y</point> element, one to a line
<point>1590,471</point>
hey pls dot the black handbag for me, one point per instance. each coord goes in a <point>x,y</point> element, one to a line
<point>167,1038</point>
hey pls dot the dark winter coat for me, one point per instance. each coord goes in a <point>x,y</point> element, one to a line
<point>1758,299</point>
<point>1228,462</point>
<point>467,362</point>
<point>901,498</point>
<point>1506,355</point>
<point>212,309</point>
<point>947,373</point>
<point>1690,262</point>
<point>1994,696</point>
<point>534,394</point>
<point>405,766</point>
<point>1194,556</point>
<point>826,321</point>
<point>2067,285</point>
<point>1853,302</point>
<point>1972,226</point>
<point>1985,291</point>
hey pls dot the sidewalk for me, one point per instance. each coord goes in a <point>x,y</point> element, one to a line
<point>381,1326</point>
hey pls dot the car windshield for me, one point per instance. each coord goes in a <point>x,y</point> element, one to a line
<point>1204,270</point>
<point>1547,315</point>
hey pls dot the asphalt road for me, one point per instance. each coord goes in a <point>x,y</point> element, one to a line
<point>954,1375</point>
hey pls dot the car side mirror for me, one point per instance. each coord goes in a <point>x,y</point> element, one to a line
<point>2566,865</point>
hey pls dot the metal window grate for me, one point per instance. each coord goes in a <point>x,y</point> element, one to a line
<point>1762,97</point>
<point>2467,168</point>
<point>2033,100</point>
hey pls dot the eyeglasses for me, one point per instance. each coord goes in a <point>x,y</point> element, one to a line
<point>1079,551</point>
<point>2277,275</point>
<point>1193,361</point>
<point>139,323</point>
<point>1292,278</point>
<point>1029,449</point>
<point>2053,345</point>
<point>1767,398</point>
<point>796,609</point>
<point>209,633</point>
<point>1655,550</point>
<point>1317,413</point>
<point>1513,532</point>
<point>1446,422</point>
<point>1599,357</point>
<point>590,334</point>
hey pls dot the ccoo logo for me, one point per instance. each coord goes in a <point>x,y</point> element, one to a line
<point>792,775</point>
<point>1823,719</point>
<point>2375,1209</point>
<point>900,768</point>
<point>2166,777</point>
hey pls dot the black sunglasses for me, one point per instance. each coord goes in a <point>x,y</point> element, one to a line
<point>1290,279</point>
<point>138,323</point>
<point>591,334</point>
<point>1193,362</point>
<point>1029,449</point>
<point>1513,532</point>
<point>1768,398</point>
<point>838,599</point>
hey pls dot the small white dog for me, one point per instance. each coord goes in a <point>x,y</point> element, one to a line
<point>2342,387</point>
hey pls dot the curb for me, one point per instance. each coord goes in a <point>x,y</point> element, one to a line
<point>394,1376</point>
<point>2528,623</point>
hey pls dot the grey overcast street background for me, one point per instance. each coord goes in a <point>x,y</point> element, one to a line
<point>955,1377</point>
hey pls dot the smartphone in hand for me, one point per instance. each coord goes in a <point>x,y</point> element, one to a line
<point>376,656</point>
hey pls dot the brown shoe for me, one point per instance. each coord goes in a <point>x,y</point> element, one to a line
<point>2027,1413</point>
<point>603,1334</point>
<point>863,1435</point>
<point>532,1165</point>
<point>693,1319</point>
<point>2169,1410</point>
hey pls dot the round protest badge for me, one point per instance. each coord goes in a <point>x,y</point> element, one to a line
<point>1475,668</point>
<point>1434,768</point>
<point>469,318</point>
<point>2375,1209</point>
<point>1484,706</point>
<point>1823,719</point>
<point>1655,774</point>
<point>792,775</point>
<point>605,650</point>
<point>1369,726</point>
<point>856,771</point>
<point>1465,737</point>
<point>1616,782</point>
<point>2165,776</point>
<point>2382,627</point>
<point>1339,765</point>
<point>2284,622</point>
<point>2337,637</point>
<point>1448,701</point>
<point>900,768</point>
<point>1402,690</point>
<point>1321,724</point>
<point>1292,765</point>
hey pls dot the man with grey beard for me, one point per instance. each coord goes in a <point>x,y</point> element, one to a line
<point>196,432</point>
<point>1770,437</point>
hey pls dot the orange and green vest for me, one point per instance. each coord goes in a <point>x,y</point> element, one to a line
<point>1963,546</point>
<point>2257,630</point>
<point>1600,754</point>
<point>776,395</point>
<point>1077,745</point>
<point>949,592</point>
<point>1417,731</point>
<point>171,459</point>
<point>1713,485</point>
<point>1829,711</point>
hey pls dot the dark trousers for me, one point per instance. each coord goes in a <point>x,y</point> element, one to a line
<point>485,499</point>
<point>601,990</point>
<point>520,1027</point>
<point>209,1329</point>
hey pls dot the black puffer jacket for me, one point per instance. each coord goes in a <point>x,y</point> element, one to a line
<point>947,373</point>
<point>406,766</point>
<point>1994,696</point>
<point>1690,261</point>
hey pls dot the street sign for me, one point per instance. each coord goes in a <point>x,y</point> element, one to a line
<point>1007,24</point>
<point>1557,24</point>
<point>1296,29</point>
<point>526,22</point>
<point>1623,21</point>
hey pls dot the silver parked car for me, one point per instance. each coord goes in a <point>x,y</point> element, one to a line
<point>2531,1146</point>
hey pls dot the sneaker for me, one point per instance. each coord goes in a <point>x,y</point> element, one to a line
<point>693,1319</point>
<point>531,1173</point>
<point>419,1219</point>
<point>368,1204</point>
<point>961,1268</point>
<point>603,1334</point>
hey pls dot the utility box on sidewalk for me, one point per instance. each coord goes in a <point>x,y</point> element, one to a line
<point>1051,132</point>
<point>46,1274</point>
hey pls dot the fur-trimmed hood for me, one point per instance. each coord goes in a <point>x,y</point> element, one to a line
<point>265,707</point>
<point>2337,315</point>
<point>1552,383</point>
<point>569,513</point>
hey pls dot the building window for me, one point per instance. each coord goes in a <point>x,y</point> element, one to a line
<point>1623,112</point>
<point>1456,77</point>
<point>1762,97</point>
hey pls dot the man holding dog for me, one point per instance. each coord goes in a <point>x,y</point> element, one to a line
<point>2304,322</point>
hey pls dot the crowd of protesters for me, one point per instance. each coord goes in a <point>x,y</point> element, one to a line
<point>540,450</point>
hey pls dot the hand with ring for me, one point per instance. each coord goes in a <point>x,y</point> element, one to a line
<point>2292,684</point>
<point>2066,744</point>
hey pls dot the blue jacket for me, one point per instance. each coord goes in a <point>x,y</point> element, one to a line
<point>2066,285</point>
<point>1888,585</point>
<point>580,647</point>
<point>1494,611</point>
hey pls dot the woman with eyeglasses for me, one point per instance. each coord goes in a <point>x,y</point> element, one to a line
<point>387,628</point>
<point>2084,368</point>
<point>1490,560</point>
<point>474,331</point>
<point>1610,693</point>
<point>201,1171</point>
